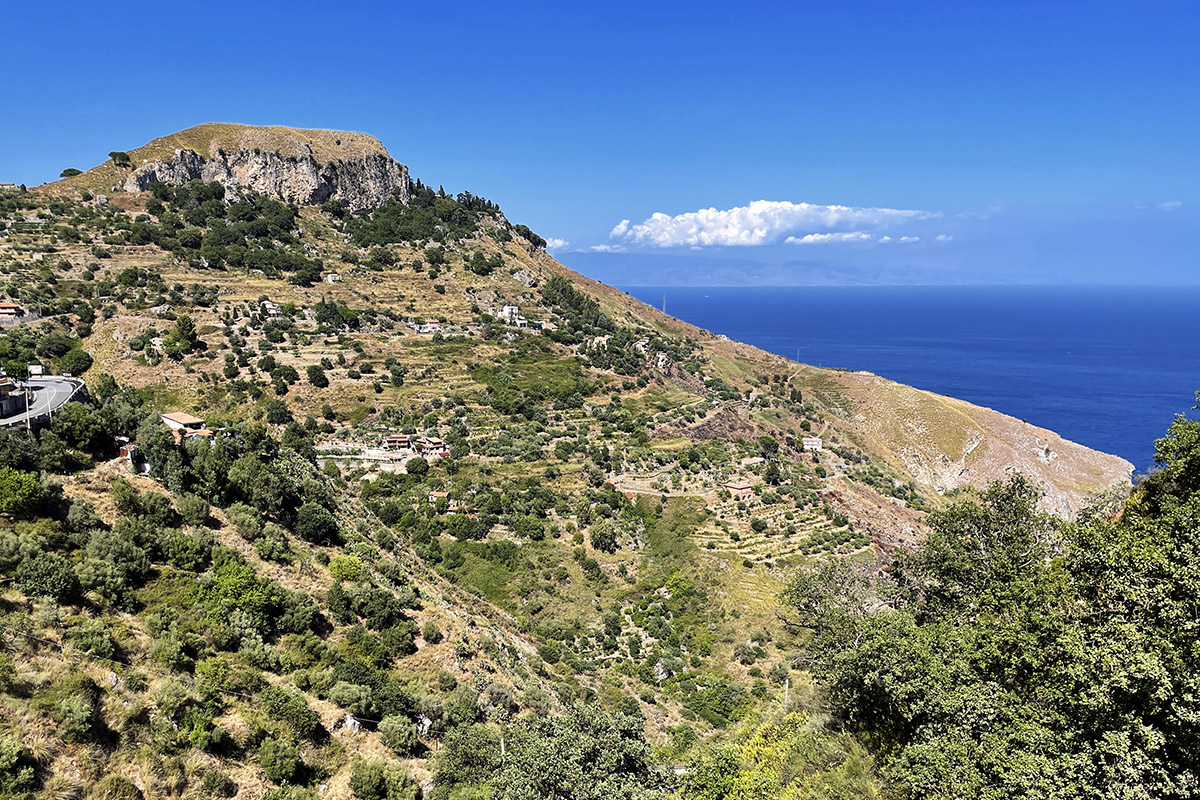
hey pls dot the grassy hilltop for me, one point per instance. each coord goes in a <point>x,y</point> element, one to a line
<point>322,145</point>
<point>586,543</point>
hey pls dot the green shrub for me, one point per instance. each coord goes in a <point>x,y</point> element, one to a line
<point>315,524</point>
<point>18,769</point>
<point>344,567</point>
<point>280,760</point>
<point>353,697</point>
<point>377,780</point>
<point>212,675</point>
<point>76,717</point>
<point>400,734</point>
<point>289,706</point>
<point>273,544</point>
<point>217,784</point>
<point>8,673</point>
<point>48,575</point>
<point>246,520</point>
<point>75,362</point>
<point>549,652</point>
<point>277,412</point>
<point>290,793</point>
<point>193,509</point>
<point>20,492</point>
<point>113,566</point>
<point>92,637</point>
<point>316,376</point>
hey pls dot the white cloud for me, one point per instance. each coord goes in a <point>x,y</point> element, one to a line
<point>761,222</point>
<point>556,244</point>
<point>944,237</point>
<point>910,238</point>
<point>1169,205</point>
<point>607,248</point>
<point>822,238</point>
<point>885,239</point>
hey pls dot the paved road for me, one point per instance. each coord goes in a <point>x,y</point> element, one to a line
<point>48,395</point>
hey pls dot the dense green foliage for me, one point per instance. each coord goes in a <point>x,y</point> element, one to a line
<point>583,753</point>
<point>427,216</point>
<point>199,223</point>
<point>1020,657</point>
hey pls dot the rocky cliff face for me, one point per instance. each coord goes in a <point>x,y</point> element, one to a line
<point>361,181</point>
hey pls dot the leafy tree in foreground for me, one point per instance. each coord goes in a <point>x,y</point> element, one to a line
<point>1018,657</point>
<point>584,753</point>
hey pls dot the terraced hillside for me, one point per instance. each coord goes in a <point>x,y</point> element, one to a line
<point>441,489</point>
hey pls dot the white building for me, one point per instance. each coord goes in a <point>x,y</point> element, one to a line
<point>181,420</point>
<point>430,326</point>
<point>511,315</point>
<point>812,443</point>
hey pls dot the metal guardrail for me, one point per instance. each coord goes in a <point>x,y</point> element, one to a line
<point>39,416</point>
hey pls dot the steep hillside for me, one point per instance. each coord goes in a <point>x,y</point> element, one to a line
<point>451,501</point>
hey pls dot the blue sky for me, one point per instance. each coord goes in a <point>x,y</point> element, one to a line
<point>1043,142</point>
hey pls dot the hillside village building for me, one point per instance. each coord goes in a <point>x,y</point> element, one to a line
<point>185,426</point>
<point>11,310</point>
<point>397,441</point>
<point>181,421</point>
<point>431,444</point>
<point>430,326</point>
<point>511,315</point>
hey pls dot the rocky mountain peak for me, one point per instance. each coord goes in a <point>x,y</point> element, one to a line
<point>305,167</point>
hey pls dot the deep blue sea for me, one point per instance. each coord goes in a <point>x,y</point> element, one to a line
<point>1105,367</point>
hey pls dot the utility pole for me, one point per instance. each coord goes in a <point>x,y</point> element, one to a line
<point>787,682</point>
<point>664,304</point>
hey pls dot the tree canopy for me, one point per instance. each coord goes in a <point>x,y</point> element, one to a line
<point>1015,656</point>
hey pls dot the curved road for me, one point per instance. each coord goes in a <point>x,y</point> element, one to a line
<point>49,394</point>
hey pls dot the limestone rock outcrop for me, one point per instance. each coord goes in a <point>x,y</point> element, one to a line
<point>361,180</point>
